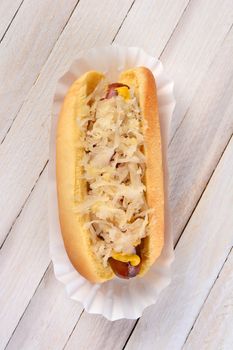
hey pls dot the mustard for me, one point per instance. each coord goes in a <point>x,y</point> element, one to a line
<point>133,259</point>
<point>132,141</point>
<point>123,91</point>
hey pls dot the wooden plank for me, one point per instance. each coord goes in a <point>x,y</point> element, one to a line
<point>213,328</point>
<point>8,10</point>
<point>44,327</point>
<point>23,260</point>
<point>195,43</point>
<point>25,149</point>
<point>200,255</point>
<point>107,335</point>
<point>24,50</point>
<point>157,20</point>
<point>52,330</point>
<point>192,46</point>
<point>202,136</point>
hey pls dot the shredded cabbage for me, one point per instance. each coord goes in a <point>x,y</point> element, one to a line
<point>114,168</point>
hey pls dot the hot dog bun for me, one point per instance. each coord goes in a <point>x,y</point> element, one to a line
<point>72,188</point>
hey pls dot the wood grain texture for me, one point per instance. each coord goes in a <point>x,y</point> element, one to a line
<point>207,107</point>
<point>23,260</point>
<point>213,328</point>
<point>25,48</point>
<point>28,138</point>
<point>195,42</point>
<point>47,326</point>
<point>200,254</point>
<point>200,140</point>
<point>151,23</point>
<point>192,47</point>
<point>106,335</point>
<point>8,10</point>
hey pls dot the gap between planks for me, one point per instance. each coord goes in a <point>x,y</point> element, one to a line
<point>47,268</point>
<point>207,296</point>
<point>73,329</point>
<point>165,46</point>
<point>36,78</point>
<point>122,22</point>
<point>10,22</point>
<point>214,326</point>
<point>186,112</point>
<point>204,189</point>
<point>27,198</point>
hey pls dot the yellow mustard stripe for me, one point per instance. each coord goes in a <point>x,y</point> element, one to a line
<point>132,258</point>
<point>123,92</point>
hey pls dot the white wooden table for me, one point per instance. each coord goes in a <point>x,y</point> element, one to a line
<point>194,39</point>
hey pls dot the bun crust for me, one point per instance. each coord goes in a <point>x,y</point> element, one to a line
<point>72,188</point>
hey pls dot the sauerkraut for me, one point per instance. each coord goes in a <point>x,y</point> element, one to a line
<point>114,168</point>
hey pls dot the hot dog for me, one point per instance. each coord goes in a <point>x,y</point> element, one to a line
<point>110,175</point>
